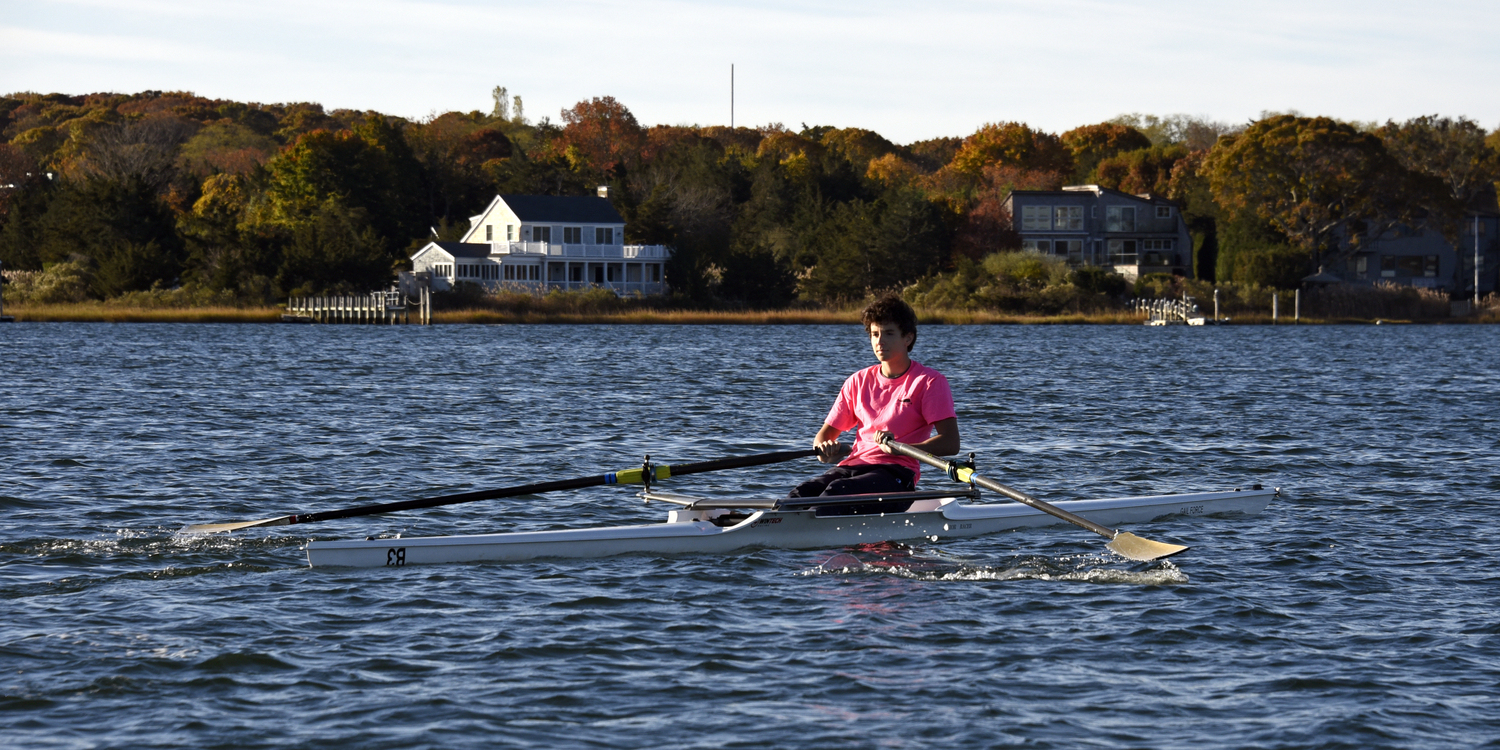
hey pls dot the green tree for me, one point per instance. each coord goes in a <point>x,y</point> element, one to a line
<point>126,231</point>
<point>337,251</point>
<point>370,168</point>
<point>1193,133</point>
<point>1453,155</point>
<point>1012,144</point>
<point>225,146</point>
<point>1092,144</point>
<point>1147,170</point>
<point>1312,179</point>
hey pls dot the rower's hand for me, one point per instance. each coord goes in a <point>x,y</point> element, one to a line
<point>831,451</point>
<point>883,439</point>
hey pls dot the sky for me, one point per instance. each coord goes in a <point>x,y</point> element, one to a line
<point>907,70</point>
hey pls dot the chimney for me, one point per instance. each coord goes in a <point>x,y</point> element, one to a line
<point>603,191</point>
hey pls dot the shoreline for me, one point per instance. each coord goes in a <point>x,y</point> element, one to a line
<point>98,313</point>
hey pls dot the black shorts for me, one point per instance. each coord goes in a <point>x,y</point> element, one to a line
<point>858,480</point>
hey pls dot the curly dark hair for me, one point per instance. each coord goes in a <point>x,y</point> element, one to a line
<point>890,308</point>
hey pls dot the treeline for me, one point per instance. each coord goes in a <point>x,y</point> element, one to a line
<point>111,194</point>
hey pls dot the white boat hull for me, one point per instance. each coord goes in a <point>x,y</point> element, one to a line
<point>689,532</point>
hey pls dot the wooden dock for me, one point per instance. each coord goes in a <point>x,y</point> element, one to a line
<point>387,308</point>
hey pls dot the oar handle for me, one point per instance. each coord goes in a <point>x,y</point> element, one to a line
<point>961,473</point>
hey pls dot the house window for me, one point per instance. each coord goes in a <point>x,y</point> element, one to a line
<point>655,272</point>
<point>1122,252</point>
<point>1068,218</point>
<point>541,234</point>
<point>510,273</point>
<point>1070,249</point>
<point>1036,246</point>
<point>510,232</point>
<point>1163,212</point>
<point>1036,218</point>
<point>1425,266</point>
<point>604,235</point>
<point>1119,219</point>
<point>1156,252</point>
<point>489,233</point>
<point>572,235</point>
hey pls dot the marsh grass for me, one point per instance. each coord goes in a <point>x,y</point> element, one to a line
<point>97,312</point>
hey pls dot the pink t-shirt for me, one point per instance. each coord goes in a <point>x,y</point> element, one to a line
<point>906,407</point>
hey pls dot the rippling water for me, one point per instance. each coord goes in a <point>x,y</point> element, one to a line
<point>1359,611</point>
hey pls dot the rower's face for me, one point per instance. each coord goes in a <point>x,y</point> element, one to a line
<point>888,342</point>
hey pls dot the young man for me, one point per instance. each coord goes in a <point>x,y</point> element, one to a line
<point>898,397</point>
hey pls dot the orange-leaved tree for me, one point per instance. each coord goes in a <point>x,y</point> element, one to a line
<point>1012,144</point>
<point>600,138</point>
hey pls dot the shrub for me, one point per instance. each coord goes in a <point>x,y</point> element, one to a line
<point>57,283</point>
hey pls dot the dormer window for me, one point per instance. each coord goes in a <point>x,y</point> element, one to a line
<point>1163,212</point>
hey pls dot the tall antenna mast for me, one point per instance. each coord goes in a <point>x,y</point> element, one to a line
<point>731,96</point>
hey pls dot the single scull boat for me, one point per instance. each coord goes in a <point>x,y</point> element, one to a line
<point>702,526</point>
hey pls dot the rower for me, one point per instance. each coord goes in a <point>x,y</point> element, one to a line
<point>897,398</point>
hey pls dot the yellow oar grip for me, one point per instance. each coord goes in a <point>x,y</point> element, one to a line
<point>963,473</point>
<point>633,476</point>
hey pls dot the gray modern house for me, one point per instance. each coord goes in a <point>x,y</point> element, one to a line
<point>1420,256</point>
<point>1090,225</point>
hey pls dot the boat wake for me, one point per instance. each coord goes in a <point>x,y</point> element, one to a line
<point>924,565</point>
<point>44,566</point>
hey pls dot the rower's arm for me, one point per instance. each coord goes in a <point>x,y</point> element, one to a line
<point>943,443</point>
<point>827,445</point>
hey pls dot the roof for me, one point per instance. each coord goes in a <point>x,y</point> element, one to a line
<point>461,249</point>
<point>1097,191</point>
<point>569,209</point>
<point>1322,277</point>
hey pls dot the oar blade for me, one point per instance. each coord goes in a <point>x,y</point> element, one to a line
<point>1128,545</point>
<point>221,528</point>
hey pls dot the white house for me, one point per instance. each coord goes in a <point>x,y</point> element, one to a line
<point>544,242</point>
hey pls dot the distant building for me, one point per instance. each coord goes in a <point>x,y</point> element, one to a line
<point>542,242</point>
<point>1420,256</point>
<point>1090,225</point>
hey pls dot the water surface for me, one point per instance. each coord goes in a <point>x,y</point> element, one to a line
<point>1359,611</point>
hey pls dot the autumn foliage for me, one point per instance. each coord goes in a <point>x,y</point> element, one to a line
<point>117,193</point>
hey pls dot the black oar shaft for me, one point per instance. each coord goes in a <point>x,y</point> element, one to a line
<point>629,476</point>
<point>739,462</point>
<point>465,497</point>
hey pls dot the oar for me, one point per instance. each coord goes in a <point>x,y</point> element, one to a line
<point>625,476</point>
<point>1122,543</point>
